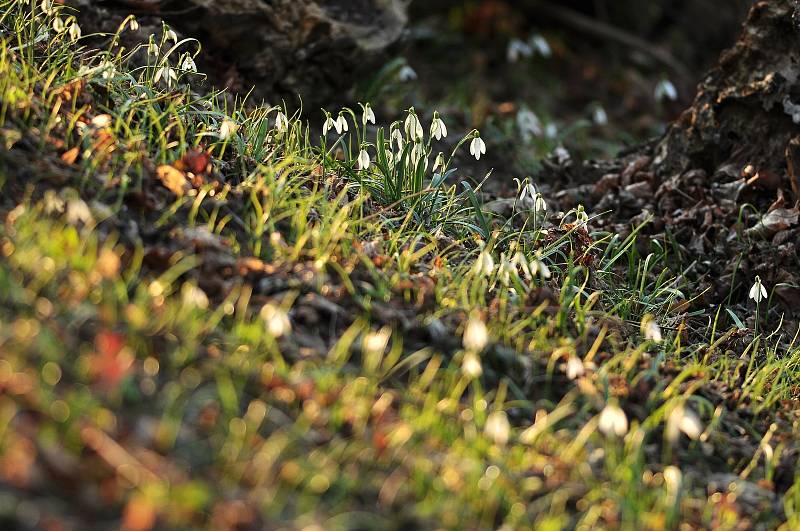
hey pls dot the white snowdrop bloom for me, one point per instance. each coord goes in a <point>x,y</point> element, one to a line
<point>58,25</point>
<point>683,419</point>
<point>484,265</point>
<point>133,24</point>
<point>581,217</point>
<point>540,205</point>
<point>194,297</point>
<point>551,131</point>
<point>276,320</point>
<point>574,368</point>
<point>471,365</point>
<point>418,154</point>
<point>613,421</point>
<point>369,115</point>
<point>439,162</point>
<point>477,147</point>
<point>438,127</point>
<point>539,267</point>
<point>341,124</point>
<point>522,262</point>
<point>517,49</point>
<point>152,48</point>
<point>599,116</point>
<point>363,160</point>
<point>170,35</point>
<point>407,74</point>
<point>188,64</point>
<point>540,44</point>
<point>413,126</point>
<point>506,270</point>
<point>672,479</point>
<point>665,90</point>
<point>397,138</point>
<point>527,197</point>
<point>74,31</point>
<point>168,74</point>
<point>227,129</point>
<point>476,335</point>
<point>497,427</point>
<point>528,124</point>
<point>281,121</point>
<point>46,7</point>
<point>562,155</point>
<point>328,125</point>
<point>758,292</point>
<point>652,332</point>
<point>375,342</point>
<point>107,70</point>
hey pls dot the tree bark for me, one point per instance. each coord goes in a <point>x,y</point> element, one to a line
<point>313,48</point>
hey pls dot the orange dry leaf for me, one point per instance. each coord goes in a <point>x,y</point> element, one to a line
<point>70,156</point>
<point>140,515</point>
<point>173,179</point>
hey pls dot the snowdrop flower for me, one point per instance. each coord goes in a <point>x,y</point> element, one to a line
<point>599,116</point>
<point>521,261</point>
<point>369,115</point>
<point>613,421</point>
<point>281,121</point>
<point>682,419</point>
<point>484,265</point>
<point>477,147</point>
<point>539,267</point>
<point>476,335</point>
<point>581,217</point>
<point>528,124</point>
<point>188,64</point>
<point>168,74</point>
<point>47,7</point>
<point>170,35</point>
<point>363,160</point>
<point>758,292</point>
<point>650,329</point>
<point>506,269</point>
<point>551,131</point>
<point>575,368</point>
<point>341,124</point>
<point>74,31</point>
<point>665,90</point>
<point>418,154</point>
<point>517,49</point>
<point>541,45</point>
<point>276,320</point>
<point>397,138</point>
<point>413,126</point>
<point>497,427</point>
<point>152,48</point>
<point>227,129</point>
<point>58,25</point>
<point>375,342</point>
<point>107,70</point>
<point>438,128</point>
<point>193,296</point>
<point>407,74</point>
<point>471,365</point>
<point>562,155</point>
<point>328,125</point>
<point>439,162</point>
<point>133,24</point>
<point>527,196</point>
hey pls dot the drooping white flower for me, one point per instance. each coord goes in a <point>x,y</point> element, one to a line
<point>152,48</point>
<point>650,329</point>
<point>575,368</point>
<point>413,126</point>
<point>227,129</point>
<point>58,25</point>
<point>438,127</point>
<point>477,147</point>
<point>439,162</point>
<point>562,155</point>
<point>665,90</point>
<point>188,64</point>
<point>74,31</point>
<point>758,292</point>
<point>517,49</point>
<point>539,267</point>
<point>363,160</point>
<point>528,124</point>
<point>328,125</point>
<point>397,138</point>
<point>599,116</point>
<point>540,44</point>
<point>683,419</point>
<point>369,115</point>
<point>193,296</point>
<point>497,427</point>
<point>527,197</point>
<point>168,74</point>
<point>281,121</point>
<point>170,35</point>
<point>107,70</point>
<point>613,421</point>
<point>407,74</point>
<point>133,24</point>
<point>471,365</point>
<point>419,154</point>
<point>341,124</point>
<point>484,265</point>
<point>581,217</point>
<point>47,7</point>
<point>276,320</point>
<point>476,335</point>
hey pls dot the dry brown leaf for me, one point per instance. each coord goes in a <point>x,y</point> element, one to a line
<point>70,156</point>
<point>173,179</point>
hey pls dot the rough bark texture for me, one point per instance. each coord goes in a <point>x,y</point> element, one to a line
<point>723,181</point>
<point>314,48</point>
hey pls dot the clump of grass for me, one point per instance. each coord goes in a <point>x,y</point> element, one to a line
<point>210,320</point>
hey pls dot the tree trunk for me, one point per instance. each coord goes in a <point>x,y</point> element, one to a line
<point>723,181</point>
<point>314,48</point>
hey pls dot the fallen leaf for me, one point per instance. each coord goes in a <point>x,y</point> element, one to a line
<point>70,156</point>
<point>173,179</point>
